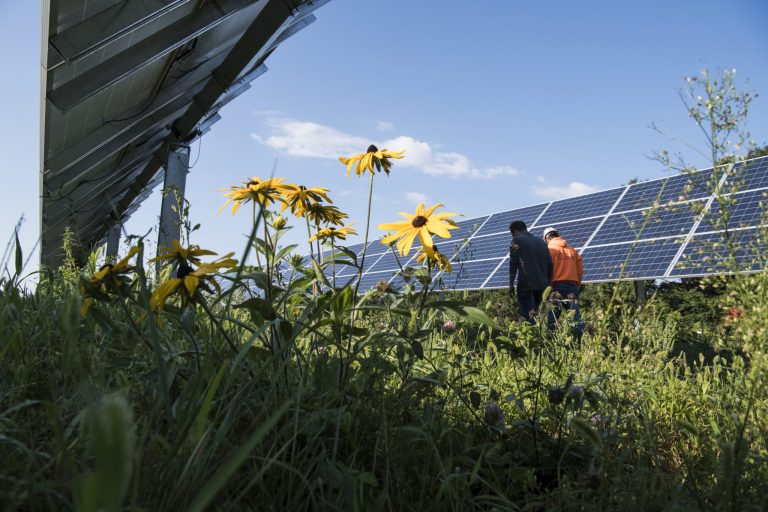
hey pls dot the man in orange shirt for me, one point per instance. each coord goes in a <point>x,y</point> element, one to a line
<point>567,272</point>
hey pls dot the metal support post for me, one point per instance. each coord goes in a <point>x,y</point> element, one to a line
<point>176,169</point>
<point>113,240</point>
<point>640,292</point>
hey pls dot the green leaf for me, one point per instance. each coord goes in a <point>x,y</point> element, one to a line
<point>260,309</point>
<point>19,258</point>
<point>474,399</point>
<point>319,274</point>
<point>418,349</point>
<point>470,313</point>
<point>282,252</point>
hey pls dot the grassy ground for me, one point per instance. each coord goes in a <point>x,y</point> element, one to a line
<point>284,406</point>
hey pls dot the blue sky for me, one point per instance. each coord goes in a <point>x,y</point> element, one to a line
<point>500,105</point>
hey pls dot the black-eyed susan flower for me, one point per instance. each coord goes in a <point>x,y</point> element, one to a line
<point>111,278</point>
<point>181,255</point>
<point>299,198</point>
<point>374,157</point>
<point>279,222</point>
<point>325,214</point>
<point>263,192</point>
<point>188,280</point>
<point>424,224</point>
<point>439,259</point>
<point>332,233</point>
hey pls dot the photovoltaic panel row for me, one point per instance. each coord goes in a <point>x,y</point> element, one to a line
<point>682,187</point>
<point>674,220</point>
<point>499,222</point>
<point>752,174</point>
<point>641,260</point>
<point>581,207</point>
<point>709,253</point>
<point>744,209</point>
<point>483,243</point>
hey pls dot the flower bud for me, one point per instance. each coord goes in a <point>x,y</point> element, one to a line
<point>449,326</point>
<point>279,222</point>
<point>493,415</point>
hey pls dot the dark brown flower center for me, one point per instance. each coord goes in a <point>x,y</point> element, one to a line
<point>184,270</point>
<point>372,149</point>
<point>419,221</point>
<point>252,183</point>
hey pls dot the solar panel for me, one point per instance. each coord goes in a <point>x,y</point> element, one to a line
<point>124,81</point>
<point>709,253</point>
<point>664,228</point>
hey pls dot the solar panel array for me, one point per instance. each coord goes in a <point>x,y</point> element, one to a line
<point>667,228</point>
<point>125,79</point>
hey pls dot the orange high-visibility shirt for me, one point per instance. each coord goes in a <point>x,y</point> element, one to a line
<point>566,261</point>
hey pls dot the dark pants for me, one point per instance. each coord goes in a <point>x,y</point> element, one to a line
<point>566,291</point>
<point>529,300</point>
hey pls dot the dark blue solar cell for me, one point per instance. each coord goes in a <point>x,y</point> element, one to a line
<point>710,253</point>
<point>391,261</point>
<point>484,247</point>
<point>749,175</point>
<point>370,280</point>
<point>641,260</point>
<point>745,209</point>
<point>674,220</point>
<point>590,205</point>
<point>500,278</point>
<point>575,233</point>
<point>466,228</point>
<point>499,222</point>
<point>469,275</point>
<point>681,187</point>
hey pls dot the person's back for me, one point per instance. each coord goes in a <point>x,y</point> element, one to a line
<point>566,262</point>
<point>529,257</point>
<point>567,273</point>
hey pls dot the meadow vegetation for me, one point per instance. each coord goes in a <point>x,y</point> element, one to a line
<point>225,385</point>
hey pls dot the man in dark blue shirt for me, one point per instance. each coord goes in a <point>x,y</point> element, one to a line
<point>530,256</point>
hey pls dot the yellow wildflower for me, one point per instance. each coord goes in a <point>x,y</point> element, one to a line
<point>424,224</point>
<point>109,278</point>
<point>299,198</point>
<point>325,214</point>
<point>332,233</point>
<point>188,280</point>
<point>439,259</point>
<point>262,192</point>
<point>181,255</point>
<point>374,157</point>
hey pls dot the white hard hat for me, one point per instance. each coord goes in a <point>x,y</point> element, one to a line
<point>548,231</point>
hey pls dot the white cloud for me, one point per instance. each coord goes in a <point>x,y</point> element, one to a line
<point>385,126</point>
<point>553,192</point>
<point>308,139</point>
<point>416,197</point>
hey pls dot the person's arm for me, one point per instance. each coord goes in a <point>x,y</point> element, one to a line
<point>579,267</point>
<point>549,267</point>
<point>514,262</point>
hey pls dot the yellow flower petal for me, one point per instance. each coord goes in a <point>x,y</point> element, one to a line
<point>163,292</point>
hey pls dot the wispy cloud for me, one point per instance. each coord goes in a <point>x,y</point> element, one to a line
<point>416,197</point>
<point>574,188</point>
<point>313,140</point>
<point>385,126</point>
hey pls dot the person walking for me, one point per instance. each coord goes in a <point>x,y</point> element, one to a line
<point>567,273</point>
<point>528,256</point>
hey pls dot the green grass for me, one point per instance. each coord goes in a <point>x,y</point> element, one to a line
<point>304,416</point>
